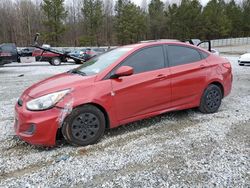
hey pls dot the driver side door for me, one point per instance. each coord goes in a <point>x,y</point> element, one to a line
<point>147,91</point>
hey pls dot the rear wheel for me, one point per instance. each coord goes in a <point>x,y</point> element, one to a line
<point>211,99</point>
<point>84,126</point>
<point>55,61</point>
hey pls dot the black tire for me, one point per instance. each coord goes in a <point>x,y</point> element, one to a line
<point>78,62</point>
<point>56,61</point>
<point>211,99</point>
<point>84,126</point>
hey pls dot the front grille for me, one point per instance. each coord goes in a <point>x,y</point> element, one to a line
<point>20,102</point>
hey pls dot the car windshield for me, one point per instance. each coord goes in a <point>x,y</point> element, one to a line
<point>99,63</point>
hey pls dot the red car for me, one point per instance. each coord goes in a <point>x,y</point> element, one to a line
<point>126,84</point>
<point>52,58</point>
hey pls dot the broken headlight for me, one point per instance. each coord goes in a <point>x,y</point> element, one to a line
<point>46,101</point>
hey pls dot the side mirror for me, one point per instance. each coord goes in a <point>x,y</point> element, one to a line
<point>123,71</point>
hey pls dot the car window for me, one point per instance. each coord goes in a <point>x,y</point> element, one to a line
<point>146,60</point>
<point>180,55</point>
<point>7,48</point>
<point>99,50</point>
<point>204,55</point>
<point>99,63</point>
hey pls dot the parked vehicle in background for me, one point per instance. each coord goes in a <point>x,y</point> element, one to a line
<point>87,53</point>
<point>126,84</point>
<point>198,42</point>
<point>244,59</point>
<point>8,53</point>
<point>26,52</point>
<point>78,53</point>
<point>92,52</point>
<point>52,58</point>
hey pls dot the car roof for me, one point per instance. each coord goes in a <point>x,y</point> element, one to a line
<point>155,42</point>
<point>143,44</point>
<point>10,44</point>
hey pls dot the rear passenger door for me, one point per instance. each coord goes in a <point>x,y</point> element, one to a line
<point>188,75</point>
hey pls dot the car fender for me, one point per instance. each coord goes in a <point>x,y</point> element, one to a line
<point>98,96</point>
<point>214,80</point>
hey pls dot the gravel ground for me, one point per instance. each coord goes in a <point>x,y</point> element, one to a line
<point>177,149</point>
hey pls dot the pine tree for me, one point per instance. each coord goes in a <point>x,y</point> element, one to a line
<point>54,15</point>
<point>234,14</point>
<point>185,20</point>
<point>217,24</point>
<point>130,22</point>
<point>156,19</point>
<point>246,17</point>
<point>93,20</point>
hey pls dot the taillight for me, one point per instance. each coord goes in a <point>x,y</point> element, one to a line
<point>4,54</point>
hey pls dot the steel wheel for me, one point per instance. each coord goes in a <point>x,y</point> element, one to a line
<point>56,61</point>
<point>85,125</point>
<point>211,99</point>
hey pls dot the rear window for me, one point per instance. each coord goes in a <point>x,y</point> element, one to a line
<point>7,48</point>
<point>204,54</point>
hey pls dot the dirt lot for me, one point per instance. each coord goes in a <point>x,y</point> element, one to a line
<point>178,149</point>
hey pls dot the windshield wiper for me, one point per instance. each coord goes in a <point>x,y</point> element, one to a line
<point>75,71</point>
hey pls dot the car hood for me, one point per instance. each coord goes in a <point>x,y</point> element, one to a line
<point>57,83</point>
<point>245,56</point>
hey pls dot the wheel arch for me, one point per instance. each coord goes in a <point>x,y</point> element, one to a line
<point>59,134</point>
<point>219,84</point>
<point>100,107</point>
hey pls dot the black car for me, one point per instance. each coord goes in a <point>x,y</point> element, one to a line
<point>92,52</point>
<point>26,52</point>
<point>8,53</point>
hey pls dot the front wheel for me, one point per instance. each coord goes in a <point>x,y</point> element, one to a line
<point>84,126</point>
<point>211,99</point>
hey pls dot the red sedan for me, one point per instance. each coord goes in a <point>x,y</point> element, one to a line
<point>129,83</point>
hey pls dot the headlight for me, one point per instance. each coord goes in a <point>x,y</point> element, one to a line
<point>46,101</point>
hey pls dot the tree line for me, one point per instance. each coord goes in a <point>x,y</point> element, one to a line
<point>118,22</point>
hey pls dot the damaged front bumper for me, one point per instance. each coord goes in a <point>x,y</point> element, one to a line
<point>37,127</point>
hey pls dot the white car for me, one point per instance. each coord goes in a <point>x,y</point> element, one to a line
<point>244,59</point>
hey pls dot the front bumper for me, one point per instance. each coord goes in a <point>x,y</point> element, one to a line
<point>243,61</point>
<point>37,127</point>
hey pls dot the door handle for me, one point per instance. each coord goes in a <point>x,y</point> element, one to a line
<point>202,66</point>
<point>161,76</point>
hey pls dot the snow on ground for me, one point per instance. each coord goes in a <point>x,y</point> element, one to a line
<point>177,149</point>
